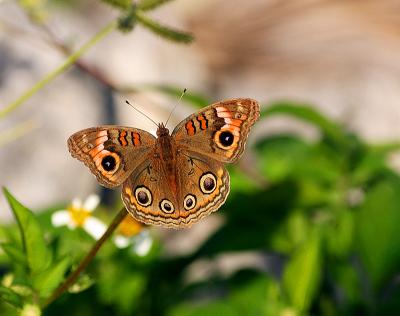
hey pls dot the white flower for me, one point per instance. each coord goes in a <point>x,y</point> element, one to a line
<point>142,243</point>
<point>79,214</point>
<point>131,232</point>
<point>30,310</point>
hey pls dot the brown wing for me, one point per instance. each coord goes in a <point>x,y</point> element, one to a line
<point>220,130</point>
<point>200,187</point>
<point>111,152</point>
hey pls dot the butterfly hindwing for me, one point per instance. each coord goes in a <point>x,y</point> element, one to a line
<point>202,186</point>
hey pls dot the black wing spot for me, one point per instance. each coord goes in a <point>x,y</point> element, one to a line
<point>226,138</point>
<point>108,163</point>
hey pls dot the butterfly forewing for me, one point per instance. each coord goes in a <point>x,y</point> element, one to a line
<point>111,152</point>
<point>219,130</point>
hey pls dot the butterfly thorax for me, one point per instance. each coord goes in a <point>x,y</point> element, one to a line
<point>165,150</point>
<point>165,146</point>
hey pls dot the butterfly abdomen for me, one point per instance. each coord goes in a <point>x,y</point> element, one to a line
<point>166,150</point>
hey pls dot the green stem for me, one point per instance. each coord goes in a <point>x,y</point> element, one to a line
<point>162,30</point>
<point>89,257</point>
<point>17,131</point>
<point>67,63</point>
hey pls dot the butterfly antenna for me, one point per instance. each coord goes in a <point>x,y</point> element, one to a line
<point>180,98</point>
<point>127,102</point>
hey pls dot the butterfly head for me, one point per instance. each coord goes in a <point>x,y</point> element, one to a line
<point>162,130</point>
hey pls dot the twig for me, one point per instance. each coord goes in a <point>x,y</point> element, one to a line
<point>93,71</point>
<point>17,131</point>
<point>89,257</point>
<point>49,77</point>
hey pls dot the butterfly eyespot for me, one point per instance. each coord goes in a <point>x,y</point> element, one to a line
<point>89,146</point>
<point>166,206</point>
<point>143,196</point>
<point>226,138</point>
<point>208,183</point>
<point>189,202</point>
<point>108,163</point>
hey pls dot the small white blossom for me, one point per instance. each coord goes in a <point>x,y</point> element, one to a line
<point>79,214</point>
<point>132,233</point>
<point>142,243</point>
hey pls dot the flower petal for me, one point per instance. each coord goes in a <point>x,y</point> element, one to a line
<point>94,227</point>
<point>121,241</point>
<point>76,203</point>
<point>60,218</point>
<point>143,244</point>
<point>91,202</point>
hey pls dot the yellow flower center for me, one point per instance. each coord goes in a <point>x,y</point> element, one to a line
<point>78,215</point>
<point>129,227</point>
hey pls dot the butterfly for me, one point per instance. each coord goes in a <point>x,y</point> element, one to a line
<point>172,180</point>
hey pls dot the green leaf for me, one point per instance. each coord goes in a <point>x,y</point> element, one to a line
<point>248,292</point>
<point>15,254</point>
<point>217,308</point>
<point>370,166</point>
<point>378,239</point>
<point>83,283</point>
<point>291,233</point>
<point>386,148</point>
<point>121,285</point>
<point>150,4</point>
<point>162,30</point>
<point>287,156</point>
<point>48,280</point>
<point>302,274</point>
<point>340,234</point>
<point>347,279</point>
<point>121,4</point>
<point>308,114</point>
<point>253,293</point>
<point>241,182</point>
<point>38,256</point>
<point>373,162</point>
<point>264,211</point>
<point>280,156</point>
<point>9,296</point>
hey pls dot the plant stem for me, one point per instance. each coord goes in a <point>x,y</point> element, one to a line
<point>89,257</point>
<point>67,63</point>
<point>83,66</point>
<point>17,131</point>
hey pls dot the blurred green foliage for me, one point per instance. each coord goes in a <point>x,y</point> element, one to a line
<point>325,228</point>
